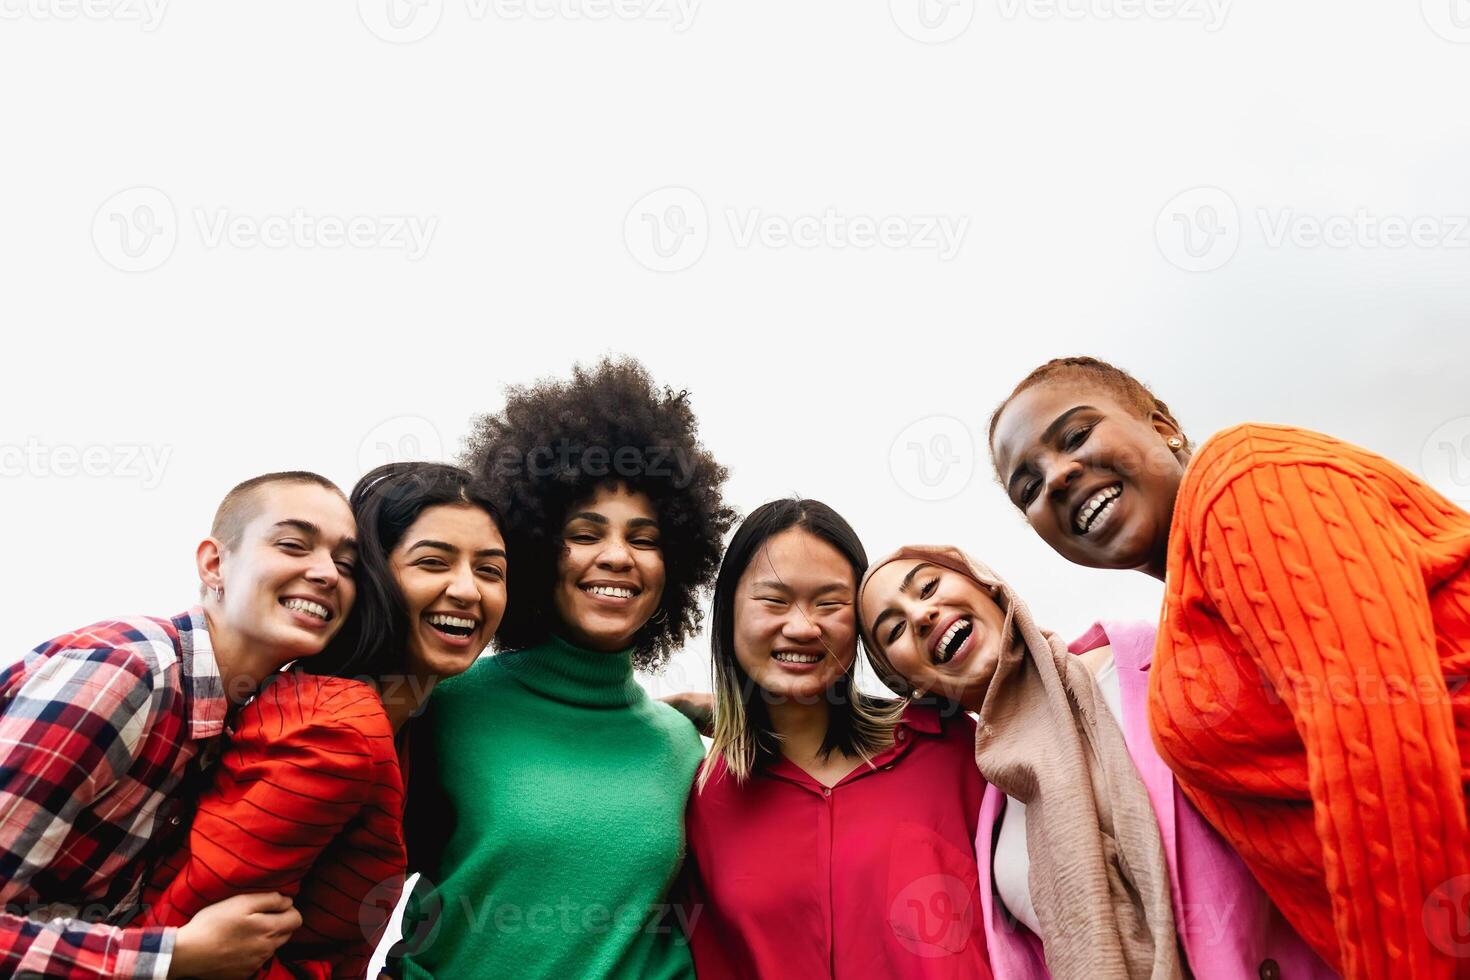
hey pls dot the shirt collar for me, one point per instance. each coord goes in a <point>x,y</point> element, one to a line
<point>204,692</point>
<point>1132,642</point>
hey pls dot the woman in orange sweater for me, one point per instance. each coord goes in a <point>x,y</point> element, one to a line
<point>1308,684</point>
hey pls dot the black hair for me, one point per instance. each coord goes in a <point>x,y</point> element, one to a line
<point>555,444</point>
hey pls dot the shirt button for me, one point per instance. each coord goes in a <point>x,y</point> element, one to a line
<point>900,735</point>
<point>1269,970</point>
<point>826,790</point>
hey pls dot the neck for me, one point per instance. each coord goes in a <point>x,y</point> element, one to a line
<point>1157,565</point>
<point>802,727</point>
<point>242,666</point>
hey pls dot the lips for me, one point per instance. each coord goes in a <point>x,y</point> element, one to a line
<point>611,591</point>
<point>454,625</point>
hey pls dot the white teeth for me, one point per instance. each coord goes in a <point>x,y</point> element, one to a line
<point>797,658</point>
<point>1094,507</point>
<point>944,641</point>
<point>441,619</point>
<point>609,590</point>
<point>310,608</point>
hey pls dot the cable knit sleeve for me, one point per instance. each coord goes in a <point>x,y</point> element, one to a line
<point>1306,564</point>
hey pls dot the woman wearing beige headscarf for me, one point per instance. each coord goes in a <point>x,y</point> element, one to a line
<point>1077,878</point>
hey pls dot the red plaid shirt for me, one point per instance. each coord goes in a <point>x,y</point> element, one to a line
<point>97,729</point>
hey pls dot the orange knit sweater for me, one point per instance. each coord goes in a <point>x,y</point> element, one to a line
<point>1309,690</point>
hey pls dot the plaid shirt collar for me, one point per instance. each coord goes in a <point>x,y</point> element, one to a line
<point>204,692</point>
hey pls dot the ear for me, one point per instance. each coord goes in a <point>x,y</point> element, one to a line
<point>207,559</point>
<point>1166,427</point>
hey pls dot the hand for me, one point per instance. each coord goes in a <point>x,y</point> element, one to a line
<point>698,707</point>
<point>232,939</point>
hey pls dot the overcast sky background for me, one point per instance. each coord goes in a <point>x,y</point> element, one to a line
<point>241,239</point>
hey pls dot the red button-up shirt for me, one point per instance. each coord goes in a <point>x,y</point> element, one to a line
<point>872,877</point>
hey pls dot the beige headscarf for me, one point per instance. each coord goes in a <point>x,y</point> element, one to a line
<point>1098,878</point>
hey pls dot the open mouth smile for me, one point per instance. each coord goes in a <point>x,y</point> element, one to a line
<point>954,639</point>
<point>451,626</point>
<point>312,612</point>
<point>1096,511</point>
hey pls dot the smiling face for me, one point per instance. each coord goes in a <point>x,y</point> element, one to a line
<point>939,629</point>
<point>610,575</point>
<point>450,566</point>
<point>287,582</point>
<point>1094,479</point>
<point>795,628</point>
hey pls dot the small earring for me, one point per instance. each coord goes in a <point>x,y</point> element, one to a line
<point>219,593</point>
<point>1176,443</point>
<point>919,692</point>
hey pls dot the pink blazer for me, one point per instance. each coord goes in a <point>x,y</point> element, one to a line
<point>1229,929</point>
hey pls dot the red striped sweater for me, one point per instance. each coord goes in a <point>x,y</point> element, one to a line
<point>307,800</point>
<point>1309,690</point>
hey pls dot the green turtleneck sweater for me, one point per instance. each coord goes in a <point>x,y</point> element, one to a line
<point>566,786</point>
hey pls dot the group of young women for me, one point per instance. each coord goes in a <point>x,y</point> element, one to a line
<point>1266,783</point>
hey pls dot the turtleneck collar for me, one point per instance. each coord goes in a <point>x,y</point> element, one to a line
<point>563,672</point>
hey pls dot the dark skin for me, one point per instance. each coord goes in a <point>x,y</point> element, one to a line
<point>1060,444</point>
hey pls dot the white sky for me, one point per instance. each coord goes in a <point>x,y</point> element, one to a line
<point>520,143</point>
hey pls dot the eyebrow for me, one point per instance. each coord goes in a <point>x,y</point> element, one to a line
<point>783,587</point>
<point>311,530</point>
<point>596,518</point>
<point>904,586</point>
<point>1047,436</point>
<point>445,546</point>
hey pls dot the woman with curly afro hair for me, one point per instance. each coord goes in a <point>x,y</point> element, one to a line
<point>559,786</point>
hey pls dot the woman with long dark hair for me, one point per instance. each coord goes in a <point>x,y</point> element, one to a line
<point>559,784</point>
<point>1306,686</point>
<point>307,798</point>
<point>832,831</point>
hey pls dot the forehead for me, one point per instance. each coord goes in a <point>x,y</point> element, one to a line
<point>797,557</point>
<point>616,502</point>
<point>456,524</point>
<point>326,509</point>
<point>1025,419</point>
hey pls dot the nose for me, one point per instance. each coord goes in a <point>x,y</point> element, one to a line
<point>1060,473</point>
<point>925,619</point>
<point>462,587</point>
<point>799,626</point>
<point>615,555</point>
<point>323,570</point>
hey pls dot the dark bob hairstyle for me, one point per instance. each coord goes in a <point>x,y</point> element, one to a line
<point>385,503</point>
<point>555,444</point>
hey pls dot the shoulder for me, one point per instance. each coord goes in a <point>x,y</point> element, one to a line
<point>109,663</point>
<point>296,706</point>
<point>670,723</point>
